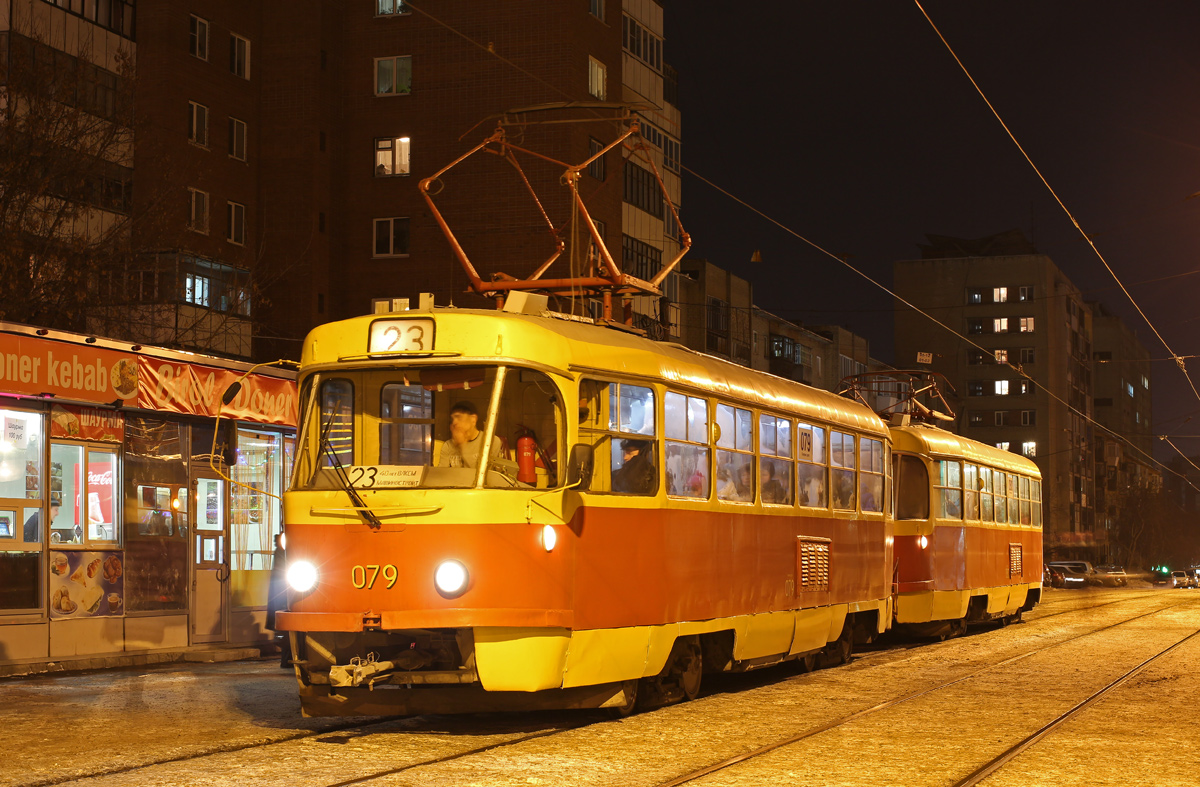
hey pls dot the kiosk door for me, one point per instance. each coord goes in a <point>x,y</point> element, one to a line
<point>210,560</point>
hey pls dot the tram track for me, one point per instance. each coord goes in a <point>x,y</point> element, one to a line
<point>587,720</point>
<point>984,771</point>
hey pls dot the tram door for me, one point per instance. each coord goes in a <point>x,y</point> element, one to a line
<point>210,560</point>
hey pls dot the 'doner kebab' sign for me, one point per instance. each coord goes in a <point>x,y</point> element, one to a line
<point>40,367</point>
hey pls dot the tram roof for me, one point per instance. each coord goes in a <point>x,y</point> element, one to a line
<point>572,348</point>
<point>936,442</point>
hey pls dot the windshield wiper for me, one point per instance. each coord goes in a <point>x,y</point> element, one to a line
<point>340,471</point>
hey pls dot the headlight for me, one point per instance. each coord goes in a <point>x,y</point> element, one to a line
<point>302,576</point>
<point>451,578</point>
<point>549,537</point>
<point>924,542</point>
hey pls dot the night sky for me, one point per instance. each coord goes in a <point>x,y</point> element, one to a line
<point>849,122</point>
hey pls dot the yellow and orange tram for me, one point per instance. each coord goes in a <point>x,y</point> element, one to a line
<point>968,531</point>
<point>503,510</point>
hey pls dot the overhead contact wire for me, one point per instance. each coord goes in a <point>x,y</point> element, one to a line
<point>1177,357</point>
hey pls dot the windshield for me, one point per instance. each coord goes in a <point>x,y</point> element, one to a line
<point>428,427</point>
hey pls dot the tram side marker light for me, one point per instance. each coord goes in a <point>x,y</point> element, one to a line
<point>924,542</point>
<point>549,537</point>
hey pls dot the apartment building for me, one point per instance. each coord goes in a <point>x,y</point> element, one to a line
<point>1023,372</point>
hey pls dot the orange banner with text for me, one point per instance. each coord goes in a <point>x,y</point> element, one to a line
<point>197,390</point>
<point>68,371</point>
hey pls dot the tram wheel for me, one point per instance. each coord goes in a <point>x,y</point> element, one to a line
<point>688,668</point>
<point>630,688</point>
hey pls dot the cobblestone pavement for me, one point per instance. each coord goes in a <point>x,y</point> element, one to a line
<point>217,724</point>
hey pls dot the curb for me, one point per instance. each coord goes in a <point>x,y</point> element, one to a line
<point>93,663</point>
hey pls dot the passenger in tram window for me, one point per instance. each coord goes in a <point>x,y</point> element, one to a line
<point>744,484</point>
<point>697,479</point>
<point>637,474</point>
<point>726,488</point>
<point>466,441</point>
<point>843,489</point>
<point>772,490</point>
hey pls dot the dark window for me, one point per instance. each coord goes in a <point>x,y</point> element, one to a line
<point>642,190</point>
<point>597,169</point>
<point>974,326</point>
<point>639,258</point>
<point>974,295</point>
<point>975,388</point>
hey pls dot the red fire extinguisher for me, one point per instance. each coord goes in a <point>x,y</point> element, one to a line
<point>526,458</point>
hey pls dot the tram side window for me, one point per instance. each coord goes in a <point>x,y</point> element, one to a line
<point>812,466</point>
<point>870,479</point>
<point>405,424</point>
<point>336,436</point>
<point>1001,499</point>
<point>985,494</point>
<point>1014,504</point>
<point>912,487</point>
<point>970,491</point>
<point>949,484</point>
<point>841,462</point>
<point>626,458</point>
<point>685,424</point>
<point>775,465</point>
<point>1025,515</point>
<point>735,457</point>
<point>1035,493</point>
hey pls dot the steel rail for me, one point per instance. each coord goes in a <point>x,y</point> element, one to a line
<point>986,770</point>
<point>809,733</point>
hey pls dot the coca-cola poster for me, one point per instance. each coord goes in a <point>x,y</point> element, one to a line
<point>100,484</point>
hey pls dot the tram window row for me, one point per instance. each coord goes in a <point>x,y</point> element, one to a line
<point>706,449</point>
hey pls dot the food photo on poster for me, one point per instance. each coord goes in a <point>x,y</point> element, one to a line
<point>86,584</point>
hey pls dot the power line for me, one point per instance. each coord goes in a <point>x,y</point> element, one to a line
<point>1174,355</point>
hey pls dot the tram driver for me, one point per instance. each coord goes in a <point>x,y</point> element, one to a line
<point>466,441</point>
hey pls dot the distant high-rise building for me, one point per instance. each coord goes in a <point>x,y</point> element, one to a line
<point>1018,311</point>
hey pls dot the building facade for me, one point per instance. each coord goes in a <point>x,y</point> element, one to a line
<point>1023,382</point>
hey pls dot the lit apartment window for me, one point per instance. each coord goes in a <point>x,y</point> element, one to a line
<point>239,55</point>
<point>390,7</point>
<point>391,237</point>
<point>1029,448</point>
<point>1001,387</point>
<point>196,289</point>
<point>198,123</point>
<point>1025,294</point>
<point>1029,418</point>
<point>236,216</point>
<point>999,295</point>
<point>1129,389</point>
<point>1001,356</point>
<point>974,296</point>
<point>1025,387</point>
<point>1146,382</point>
<point>976,418</point>
<point>198,38</point>
<point>1001,417</point>
<point>596,9</point>
<point>391,156</point>
<point>1026,325</point>
<point>1027,355</point>
<point>597,168</point>
<point>596,79</point>
<point>1000,325</point>
<point>1003,445</point>
<point>198,217</point>
<point>237,139</point>
<point>393,76</point>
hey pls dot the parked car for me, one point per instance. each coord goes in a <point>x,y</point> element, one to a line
<point>1194,575</point>
<point>1160,576</point>
<point>1112,576</point>
<point>1180,579</point>
<point>1076,573</point>
<point>1052,577</point>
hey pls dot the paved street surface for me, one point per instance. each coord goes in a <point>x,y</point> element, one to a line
<point>897,715</point>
